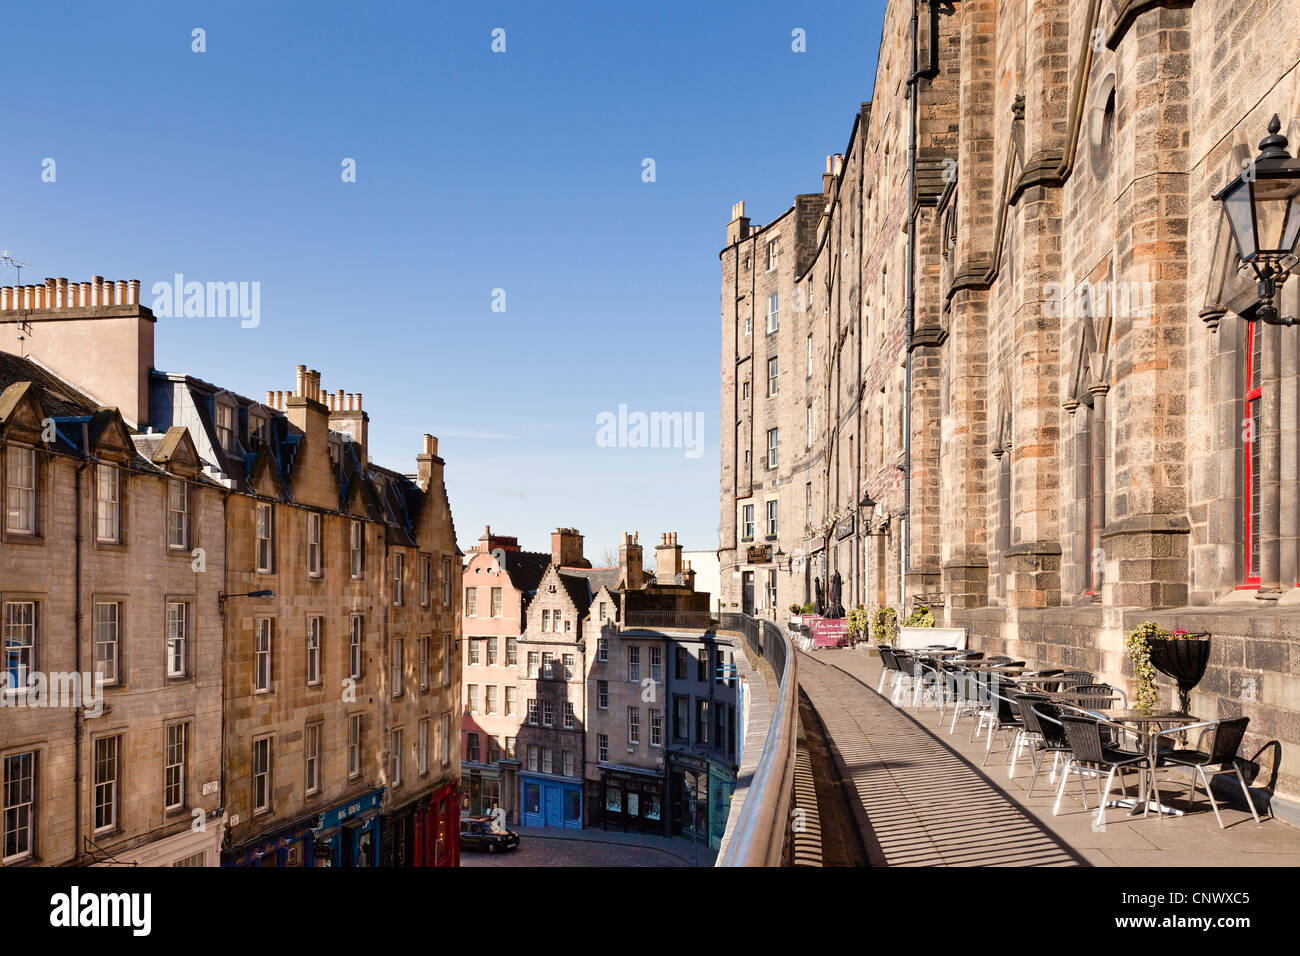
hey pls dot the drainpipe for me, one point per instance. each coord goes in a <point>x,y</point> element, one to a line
<point>858,556</point>
<point>78,718</point>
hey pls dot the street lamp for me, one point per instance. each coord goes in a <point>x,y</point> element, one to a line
<point>1262,206</point>
<point>223,597</point>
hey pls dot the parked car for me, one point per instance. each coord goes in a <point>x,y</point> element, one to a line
<point>476,833</point>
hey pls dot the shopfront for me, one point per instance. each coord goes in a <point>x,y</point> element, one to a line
<point>349,833</point>
<point>482,789</point>
<point>290,846</point>
<point>423,831</point>
<point>551,802</point>
<point>629,800</point>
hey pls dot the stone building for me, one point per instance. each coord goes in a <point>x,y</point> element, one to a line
<point>500,580</point>
<point>995,362</point>
<point>307,680</point>
<point>111,555</point>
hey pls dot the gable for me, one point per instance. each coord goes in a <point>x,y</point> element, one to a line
<point>21,412</point>
<point>177,453</point>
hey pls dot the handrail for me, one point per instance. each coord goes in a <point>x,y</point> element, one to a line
<point>758,833</point>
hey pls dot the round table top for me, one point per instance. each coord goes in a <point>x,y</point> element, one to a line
<point>1156,716</point>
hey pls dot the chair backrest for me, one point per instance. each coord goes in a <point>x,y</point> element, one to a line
<point>1094,696</point>
<point>887,658</point>
<point>1084,737</point>
<point>905,662</point>
<point>1049,722</point>
<point>1072,678</point>
<point>1027,702</point>
<point>1227,739</point>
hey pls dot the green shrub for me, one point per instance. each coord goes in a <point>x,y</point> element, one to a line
<point>884,625</point>
<point>857,620</point>
<point>921,616</point>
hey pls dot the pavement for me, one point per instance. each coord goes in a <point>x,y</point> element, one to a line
<point>544,846</point>
<point>924,800</point>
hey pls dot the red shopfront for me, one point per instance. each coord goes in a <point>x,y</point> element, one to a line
<point>437,828</point>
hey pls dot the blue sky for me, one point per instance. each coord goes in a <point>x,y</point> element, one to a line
<point>475,171</point>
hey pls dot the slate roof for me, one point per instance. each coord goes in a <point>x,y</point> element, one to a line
<point>526,568</point>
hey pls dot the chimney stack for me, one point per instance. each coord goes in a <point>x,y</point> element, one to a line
<point>566,548</point>
<point>631,575</point>
<point>428,464</point>
<point>738,228</point>
<point>688,577</point>
<point>668,558</point>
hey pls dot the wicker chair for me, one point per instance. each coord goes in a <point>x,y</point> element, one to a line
<point>1043,719</point>
<point>1074,678</point>
<point>1089,752</point>
<point>888,666</point>
<point>1003,715</point>
<point>1227,738</point>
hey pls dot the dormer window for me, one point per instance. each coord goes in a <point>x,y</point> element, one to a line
<point>256,430</point>
<point>226,426</point>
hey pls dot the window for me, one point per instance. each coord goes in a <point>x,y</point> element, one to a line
<point>444,738</point>
<point>532,711</point>
<point>702,664</point>
<point>446,660</point>
<point>20,489</point>
<point>178,637</point>
<point>106,777</point>
<point>807,504</point>
<point>679,664</point>
<point>262,775</point>
<point>510,701</point>
<point>602,747</point>
<point>496,602</point>
<point>546,620</point>
<point>357,549</point>
<point>354,744</point>
<point>397,667</point>
<point>399,566</point>
<point>773,254</point>
<point>178,515</point>
<point>108,504</point>
<point>262,662</point>
<point>773,314</point>
<point>490,700</point>
<point>771,518</point>
<point>604,614</point>
<point>533,763</point>
<point>225,426</point>
<point>548,713</point>
<point>657,664</point>
<point>749,326</point>
<point>568,764</point>
<point>633,727</point>
<point>568,660</point>
<point>491,644</point>
<point>425,677</point>
<point>426,728</point>
<point>744,390</point>
<point>1251,509</point>
<point>395,758</point>
<point>548,765</point>
<point>681,719</point>
<point>809,428</point>
<point>634,663</point>
<point>426,574</point>
<point>771,447</point>
<point>656,728</point>
<point>810,356</point>
<point>567,625</point>
<point>265,540</point>
<point>548,665</point>
<point>602,694</point>
<point>354,645</point>
<point>512,652</point>
<point>446,582</point>
<point>702,721</point>
<point>570,719</point>
<point>313,650</point>
<point>20,641</point>
<point>18,800</point>
<point>314,561</point>
<point>474,657</point>
<point>174,767</point>
<point>311,748</point>
<point>471,747</point>
<point>471,698</point>
<point>533,658</point>
<point>471,602</point>
<point>108,625</point>
<point>256,430</point>
<point>772,381</point>
<point>602,649</point>
<point>493,750</point>
<point>747,521</point>
<point>719,725</point>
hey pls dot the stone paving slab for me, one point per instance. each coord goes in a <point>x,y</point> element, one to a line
<point>927,801</point>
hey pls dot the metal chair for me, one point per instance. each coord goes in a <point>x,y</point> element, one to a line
<point>1074,678</point>
<point>1003,715</point>
<point>1043,718</point>
<point>1227,737</point>
<point>1088,751</point>
<point>887,666</point>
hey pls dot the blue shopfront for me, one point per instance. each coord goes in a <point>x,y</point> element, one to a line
<point>289,846</point>
<point>550,801</point>
<point>349,833</point>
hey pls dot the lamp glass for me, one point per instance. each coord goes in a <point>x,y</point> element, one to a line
<point>1277,221</point>
<point>1240,210</point>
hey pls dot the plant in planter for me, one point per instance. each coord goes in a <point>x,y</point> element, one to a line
<point>1137,644</point>
<point>1182,655</point>
<point>884,625</point>
<point>857,623</point>
<point>921,616</point>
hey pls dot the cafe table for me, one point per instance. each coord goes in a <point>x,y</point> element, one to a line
<point>1142,724</point>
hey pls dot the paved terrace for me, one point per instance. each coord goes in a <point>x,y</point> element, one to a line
<point>925,801</point>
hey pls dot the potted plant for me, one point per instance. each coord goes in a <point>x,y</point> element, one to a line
<point>857,622</point>
<point>884,625</point>
<point>921,616</point>
<point>1181,655</point>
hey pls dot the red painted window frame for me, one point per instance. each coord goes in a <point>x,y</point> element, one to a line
<point>1248,446</point>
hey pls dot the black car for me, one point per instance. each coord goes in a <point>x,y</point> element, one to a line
<point>476,833</point>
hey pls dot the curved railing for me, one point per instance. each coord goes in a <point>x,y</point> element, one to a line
<point>758,828</point>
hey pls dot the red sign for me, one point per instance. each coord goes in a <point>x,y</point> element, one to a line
<point>830,632</point>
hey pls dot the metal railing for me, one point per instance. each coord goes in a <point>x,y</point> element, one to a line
<point>758,832</point>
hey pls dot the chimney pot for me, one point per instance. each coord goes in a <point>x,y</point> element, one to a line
<point>4,298</point>
<point>121,292</point>
<point>96,290</point>
<point>133,292</point>
<point>85,294</point>
<point>61,293</point>
<point>358,401</point>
